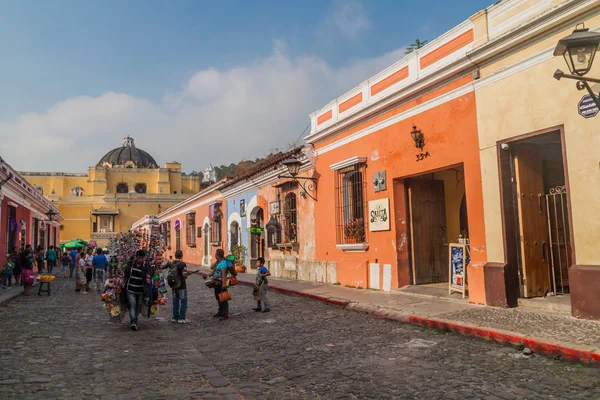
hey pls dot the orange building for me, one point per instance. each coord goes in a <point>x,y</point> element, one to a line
<point>399,170</point>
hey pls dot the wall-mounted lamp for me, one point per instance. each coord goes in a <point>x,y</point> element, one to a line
<point>309,185</point>
<point>51,214</point>
<point>579,50</point>
<point>417,136</point>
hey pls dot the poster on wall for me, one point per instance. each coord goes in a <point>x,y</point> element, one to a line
<point>242,208</point>
<point>274,207</point>
<point>379,215</point>
<point>459,260</point>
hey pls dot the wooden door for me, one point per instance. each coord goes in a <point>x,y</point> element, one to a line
<point>532,219</point>
<point>428,231</point>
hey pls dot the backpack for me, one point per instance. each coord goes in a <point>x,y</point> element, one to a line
<point>174,277</point>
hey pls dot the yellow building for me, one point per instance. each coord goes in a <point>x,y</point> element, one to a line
<point>122,187</point>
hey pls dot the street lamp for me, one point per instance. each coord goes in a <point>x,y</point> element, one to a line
<point>309,185</point>
<point>579,50</point>
<point>418,138</point>
<point>51,214</point>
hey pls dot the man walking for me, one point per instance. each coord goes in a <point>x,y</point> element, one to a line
<point>179,275</point>
<point>99,262</point>
<point>135,282</point>
<point>73,254</point>
<point>51,258</point>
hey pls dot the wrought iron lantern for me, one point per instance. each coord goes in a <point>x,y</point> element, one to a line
<point>51,214</point>
<point>308,184</point>
<point>418,138</point>
<point>579,50</point>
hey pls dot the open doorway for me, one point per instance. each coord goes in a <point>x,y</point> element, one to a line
<point>536,213</point>
<point>437,215</point>
<point>257,235</point>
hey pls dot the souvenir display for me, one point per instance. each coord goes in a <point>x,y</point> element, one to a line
<point>122,250</point>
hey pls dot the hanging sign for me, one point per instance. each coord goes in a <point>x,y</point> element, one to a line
<point>379,215</point>
<point>459,259</point>
<point>587,107</point>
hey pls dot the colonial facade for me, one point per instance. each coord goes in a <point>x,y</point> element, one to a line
<point>123,186</point>
<point>468,141</point>
<point>23,214</point>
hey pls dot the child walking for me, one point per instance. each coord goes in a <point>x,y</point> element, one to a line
<point>261,286</point>
<point>7,273</point>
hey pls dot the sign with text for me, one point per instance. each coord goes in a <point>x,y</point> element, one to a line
<point>458,267</point>
<point>379,215</point>
<point>587,107</point>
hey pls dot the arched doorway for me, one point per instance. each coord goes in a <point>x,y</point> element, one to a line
<point>257,235</point>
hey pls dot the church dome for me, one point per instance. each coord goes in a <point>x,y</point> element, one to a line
<point>127,156</point>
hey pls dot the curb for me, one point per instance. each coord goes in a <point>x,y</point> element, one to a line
<point>538,346</point>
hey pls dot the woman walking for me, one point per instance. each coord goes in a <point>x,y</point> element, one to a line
<point>27,273</point>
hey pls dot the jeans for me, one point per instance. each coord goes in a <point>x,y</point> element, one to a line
<point>6,280</point>
<point>223,307</point>
<point>179,304</point>
<point>135,303</point>
<point>264,296</point>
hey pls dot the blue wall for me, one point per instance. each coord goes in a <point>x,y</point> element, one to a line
<point>233,206</point>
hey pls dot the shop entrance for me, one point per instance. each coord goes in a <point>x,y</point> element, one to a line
<point>436,206</point>
<point>535,198</point>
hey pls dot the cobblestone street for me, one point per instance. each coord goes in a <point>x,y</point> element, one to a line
<point>64,346</point>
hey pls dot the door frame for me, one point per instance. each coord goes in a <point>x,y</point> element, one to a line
<point>508,209</point>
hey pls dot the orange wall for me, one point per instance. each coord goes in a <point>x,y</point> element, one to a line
<point>450,132</point>
<point>194,255</point>
<point>305,216</point>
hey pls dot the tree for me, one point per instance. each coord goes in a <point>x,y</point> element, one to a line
<point>416,45</point>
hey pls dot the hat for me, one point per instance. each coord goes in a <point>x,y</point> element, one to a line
<point>140,253</point>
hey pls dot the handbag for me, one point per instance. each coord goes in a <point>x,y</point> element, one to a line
<point>224,296</point>
<point>233,281</point>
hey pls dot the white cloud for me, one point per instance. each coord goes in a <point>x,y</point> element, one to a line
<point>218,116</point>
<point>351,19</point>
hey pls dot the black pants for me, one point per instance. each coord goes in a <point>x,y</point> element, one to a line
<point>223,307</point>
<point>51,264</point>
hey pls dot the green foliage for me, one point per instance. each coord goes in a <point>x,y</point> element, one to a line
<point>337,284</point>
<point>416,45</point>
<point>239,252</point>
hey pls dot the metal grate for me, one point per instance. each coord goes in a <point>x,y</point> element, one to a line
<point>351,204</point>
<point>190,231</point>
<point>290,220</point>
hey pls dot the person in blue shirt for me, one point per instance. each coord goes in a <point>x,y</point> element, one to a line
<point>51,258</point>
<point>220,269</point>
<point>262,284</point>
<point>73,255</point>
<point>99,262</point>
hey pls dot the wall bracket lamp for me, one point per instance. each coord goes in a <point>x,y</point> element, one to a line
<point>308,185</point>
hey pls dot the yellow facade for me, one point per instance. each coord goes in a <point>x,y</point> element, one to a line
<point>113,195</point>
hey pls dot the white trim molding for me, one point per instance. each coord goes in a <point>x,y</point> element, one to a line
<point>353,248</point>
<point>348,162</point>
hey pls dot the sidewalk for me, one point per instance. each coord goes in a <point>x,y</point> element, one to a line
<point>543,332</point>
<point>8,295</point>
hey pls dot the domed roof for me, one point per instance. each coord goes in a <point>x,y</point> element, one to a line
<point>128,156</point>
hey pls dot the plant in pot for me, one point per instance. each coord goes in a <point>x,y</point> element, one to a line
<point>239,252</point>
<point>354,231</point>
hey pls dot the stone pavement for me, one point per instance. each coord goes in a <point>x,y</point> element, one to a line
<point>546,332</point>
<point>64,347</point>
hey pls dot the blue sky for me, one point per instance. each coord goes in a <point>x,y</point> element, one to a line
<point>83,74</point>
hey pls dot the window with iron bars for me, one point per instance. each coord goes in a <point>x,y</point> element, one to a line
<point>351,204</point>
<point>190,230</point>
<point>290,219</point>
<point>167,228</point>
<point>215,226</point>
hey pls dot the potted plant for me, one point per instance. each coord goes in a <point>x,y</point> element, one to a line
<point>239,252</point>
<point>354,231</point>
<point>217,215</point>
